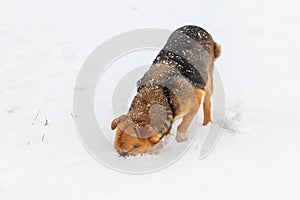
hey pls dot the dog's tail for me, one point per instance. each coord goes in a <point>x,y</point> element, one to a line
<point>217,50</point>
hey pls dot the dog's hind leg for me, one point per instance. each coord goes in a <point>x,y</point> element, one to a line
<point>207,101</point>
<point>207,108</point>
<point>207,98</point>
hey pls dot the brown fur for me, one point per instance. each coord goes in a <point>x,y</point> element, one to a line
<point>171,96</point>
<point>217,50</point>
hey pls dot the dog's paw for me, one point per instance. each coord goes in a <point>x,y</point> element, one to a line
<point>205,123</point>
<point>181,137</point>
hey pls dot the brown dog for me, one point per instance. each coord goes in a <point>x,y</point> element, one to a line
<point>174,86</point>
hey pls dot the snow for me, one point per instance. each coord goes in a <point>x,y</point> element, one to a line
<point>43,45</point>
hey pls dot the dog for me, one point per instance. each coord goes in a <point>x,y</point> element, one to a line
<point>180,78</point>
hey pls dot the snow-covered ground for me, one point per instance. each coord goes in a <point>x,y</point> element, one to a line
<point>42,47</point>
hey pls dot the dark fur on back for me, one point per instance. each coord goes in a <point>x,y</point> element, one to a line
<point>188,51</point>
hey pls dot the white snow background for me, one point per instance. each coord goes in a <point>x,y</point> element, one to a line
<point>42,47</point>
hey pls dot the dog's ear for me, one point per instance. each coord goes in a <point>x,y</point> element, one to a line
<point>116,121</point>
<point>144,131</point>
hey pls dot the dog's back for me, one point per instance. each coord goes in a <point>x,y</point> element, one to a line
<point>190,51</point>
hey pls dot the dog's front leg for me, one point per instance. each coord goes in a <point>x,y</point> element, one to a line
<point>183,127</point>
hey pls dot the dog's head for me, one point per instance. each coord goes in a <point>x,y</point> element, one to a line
<point>133,138</point>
